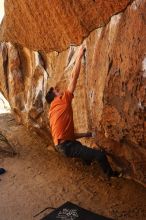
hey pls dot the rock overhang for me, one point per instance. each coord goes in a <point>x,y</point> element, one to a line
<point>55,25</point>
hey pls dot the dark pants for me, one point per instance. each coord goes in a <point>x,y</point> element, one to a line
<point>77,150</point>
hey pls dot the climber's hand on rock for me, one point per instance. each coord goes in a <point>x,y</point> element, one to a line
<point>88,134</point>
<point>93,134</point>
<point>81,52</point>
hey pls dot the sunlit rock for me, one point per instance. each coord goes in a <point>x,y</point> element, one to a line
<point>54,25</point>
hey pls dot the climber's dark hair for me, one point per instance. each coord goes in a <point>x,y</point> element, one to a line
<point>50,95</point>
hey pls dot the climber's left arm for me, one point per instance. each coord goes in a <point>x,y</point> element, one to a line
<point>81,135</point>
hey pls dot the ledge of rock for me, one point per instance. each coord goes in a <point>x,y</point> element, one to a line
<point>110,98</point>
<point>54,25</point>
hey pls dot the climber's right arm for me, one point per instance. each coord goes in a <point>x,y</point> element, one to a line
<point>76,71</point>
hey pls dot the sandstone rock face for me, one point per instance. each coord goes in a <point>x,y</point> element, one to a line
<point>110,98</point>
<point>54,25</point>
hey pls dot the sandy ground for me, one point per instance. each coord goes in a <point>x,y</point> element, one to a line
<point>37,178</point>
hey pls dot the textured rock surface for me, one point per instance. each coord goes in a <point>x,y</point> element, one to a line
<point>111,93</point>
<point>53,25</point>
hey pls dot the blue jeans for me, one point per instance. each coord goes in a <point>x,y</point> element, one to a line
<point>76,150</point>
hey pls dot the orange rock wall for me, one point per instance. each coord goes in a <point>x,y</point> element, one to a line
<point>50,25</point>
<point>110,98</point>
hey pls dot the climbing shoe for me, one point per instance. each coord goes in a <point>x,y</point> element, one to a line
<point>116,174</point>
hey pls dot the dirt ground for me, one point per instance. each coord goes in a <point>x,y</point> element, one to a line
<point>37,178</point>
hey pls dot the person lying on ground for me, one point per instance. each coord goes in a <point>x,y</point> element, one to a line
<point>62,125</point>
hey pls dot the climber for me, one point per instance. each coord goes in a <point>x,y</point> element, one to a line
<point>62,125</point>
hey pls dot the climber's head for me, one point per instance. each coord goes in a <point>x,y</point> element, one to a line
<point>52,93</point>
